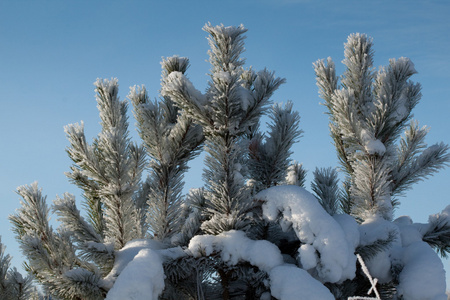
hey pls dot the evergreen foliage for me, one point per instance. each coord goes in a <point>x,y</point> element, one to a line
<point>13,286</point>
<point>325,186</point>
<point>269,159</point>
<point>368,112</point>
<point>171,140</point>
<point>233,103</point>
<point>71,261</point>
<point>253,231</point>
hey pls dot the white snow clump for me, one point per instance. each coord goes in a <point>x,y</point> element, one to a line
<point>314,228</point>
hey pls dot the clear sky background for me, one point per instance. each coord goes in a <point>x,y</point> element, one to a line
<point>51,52</point>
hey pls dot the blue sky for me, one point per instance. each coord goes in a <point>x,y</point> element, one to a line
<point>51,52</point>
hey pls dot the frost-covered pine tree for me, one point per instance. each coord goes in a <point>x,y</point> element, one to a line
<point>229,113</point>
<point>171,139</point>
<point>232,104</point>
<point>369,111</point>
<point>13,286</point>
<point>72,262</point>
<point>253,231</point>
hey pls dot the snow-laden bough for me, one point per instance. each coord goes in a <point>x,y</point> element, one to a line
<point>321,235</point>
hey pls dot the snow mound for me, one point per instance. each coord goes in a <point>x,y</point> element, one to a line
<point>141,279</point>
<point>423,275</point>
<point>125,255</point>
<point>372,145</point>
<point>375,230</point>
<point>234,247</point>
<point>316,229</point>
<point>288,282</point>
<point>138,272</point>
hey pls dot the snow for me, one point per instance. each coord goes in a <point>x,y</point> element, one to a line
<point>326,253</point>
<point>176,81</point>
<point>352,235</point>
<point>222,76</point>
<point>401,111</point>
<point>377,228</point>
<point>410,232</point>
<point>141,278</point>
<point>350,227</point>
<point>372,145</point>
<point>125,255</point>
<point>138,270</point>
<point>444,214</point>
<point>404,63</point>
<point>234,247</point>
<point>237,175</point>
<point>308,256</point>
<point>423,275</point>
<point>314,227</point>
<point>288,282</point>
<point>292,174</point>
<point>245,96</point>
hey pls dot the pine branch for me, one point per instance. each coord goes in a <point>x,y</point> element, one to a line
<point>359,74</point>
<point>50,254</point>
<point>77,284</point>
<point>140,199</point>
<point>180,90</point>
<point>263,86</point>
<point>369,251</point>
<point>326,80</point>
<point>5,262</point>
<point>32,218</point>
<point>370,190</point>
<point>171,139</point>
<point>92,246</point>
<point>269,160</point>
<point>174,64</point>
<point>83,155</point>
<point>341,151</point>
<point>345,199</point>
<point>411,145</point>
<point>70,217</point>
<point>395,98</point>
<point>296,175</point>
<point>21,288</point>
<point>189,276</point>
<point>121,170</point>
<point>349,124</point>
<point>430,161</point>
<point>438,234</point>
<point>325,186</point>
<point>227,44</point>
<point>91,193</point>
<point>367,115</point>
